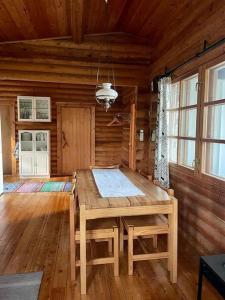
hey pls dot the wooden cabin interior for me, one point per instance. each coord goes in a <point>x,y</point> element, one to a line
<point>106,196</point>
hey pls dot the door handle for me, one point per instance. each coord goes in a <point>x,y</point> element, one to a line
<point>64,140</point>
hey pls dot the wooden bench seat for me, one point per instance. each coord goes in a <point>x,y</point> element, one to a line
<point>144,226</point>
<point>98,229</point>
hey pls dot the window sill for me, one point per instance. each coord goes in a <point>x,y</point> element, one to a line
<point>182,169</point>
<point>200,178</point>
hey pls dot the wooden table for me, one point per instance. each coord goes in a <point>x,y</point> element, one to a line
<point>155,201</point>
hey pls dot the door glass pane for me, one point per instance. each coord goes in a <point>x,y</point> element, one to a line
<point>214,158</point>
<point>187,153</point>
<point>214,122</point>
<point>172,148</point>
<point>189,91</point>
<point>172,123</point>
<point>216,86</point>
<point>25,109</point>
<point>42,109</point>
<point>41,141</point>
<point>174,95</point>
<point>188,122</point>
<point>26,141</point>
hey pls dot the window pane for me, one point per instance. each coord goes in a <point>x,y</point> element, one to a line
<point>187,153</point>
<point>174,95</point>
<point>189,91</point>
<point>25,108</point>
<point>188,122</point>
<point>172,147</point>
<point>172,123</point>
<point>42,109</point>
<point>214,122</point>
<point>216,86</point>
<point>41,141</point>
<point>26,141</point>
<point>214,158</point>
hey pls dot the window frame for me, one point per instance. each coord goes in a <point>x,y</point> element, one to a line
<point>206,103</point>
<point>179,109</point>
<point>201,69</point>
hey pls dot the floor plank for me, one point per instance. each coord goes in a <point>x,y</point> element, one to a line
<point>34,236</point>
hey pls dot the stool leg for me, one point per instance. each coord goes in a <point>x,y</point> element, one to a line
<point>130,249</point>
<point>116,251</point>
<point>83,252</point>
<point>110,246</point>
<point>121,235</point>
<point>169,252</point>
<point>72,260</point>
<point>155,241</point>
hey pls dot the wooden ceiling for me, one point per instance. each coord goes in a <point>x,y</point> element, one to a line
<point>152,25</point>
<point>151,20</point>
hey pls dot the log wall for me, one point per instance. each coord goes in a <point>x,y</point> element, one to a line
<point>107,139</point>
<point>201,203</point>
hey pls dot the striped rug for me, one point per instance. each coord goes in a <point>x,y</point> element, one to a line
<point>30,187</point>
<point>33,187</point>
<point>10,187</point>
<point>53,186</point>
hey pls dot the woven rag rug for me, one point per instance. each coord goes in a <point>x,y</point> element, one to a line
<point>33,187</point>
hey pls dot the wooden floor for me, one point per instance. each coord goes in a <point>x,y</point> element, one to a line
<point>34,236</point>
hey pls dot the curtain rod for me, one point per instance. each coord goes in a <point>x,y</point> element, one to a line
<point>206,48</point>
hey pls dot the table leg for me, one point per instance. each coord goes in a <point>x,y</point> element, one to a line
<point>200,282</point>
<point>173,219</point>
<point>83,258</point>
<point>72,242</point>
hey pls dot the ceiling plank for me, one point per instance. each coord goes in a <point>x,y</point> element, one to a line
<point>77,7</point>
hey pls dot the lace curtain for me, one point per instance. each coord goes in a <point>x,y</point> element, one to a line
<point>161,151</point>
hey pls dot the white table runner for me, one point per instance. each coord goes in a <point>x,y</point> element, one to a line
<point>113,183</point>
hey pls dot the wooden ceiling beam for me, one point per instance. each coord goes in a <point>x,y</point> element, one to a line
<point>77,7</point>
<point>121,54</point>
<point>88,79</point>
<point>65,37</point>
<point>66,62</point>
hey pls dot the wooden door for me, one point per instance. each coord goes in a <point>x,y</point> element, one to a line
<point>76,138</point>
<point>6,138</point>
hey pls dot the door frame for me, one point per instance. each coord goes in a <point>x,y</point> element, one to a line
<point>61,105</point>
<point>11,106</point>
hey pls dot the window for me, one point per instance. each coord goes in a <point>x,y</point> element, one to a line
<point>196,123</point>
<point>213,141</point>
<point>182,116</point>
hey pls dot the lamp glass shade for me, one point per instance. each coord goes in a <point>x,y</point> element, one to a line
<point>106,95</point>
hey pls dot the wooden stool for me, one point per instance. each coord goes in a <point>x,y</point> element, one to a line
<point>101,230</point>
<point>144,226</point>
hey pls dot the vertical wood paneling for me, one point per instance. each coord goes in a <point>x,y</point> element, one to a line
<point>142,122</point>
<point>128,97</point>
